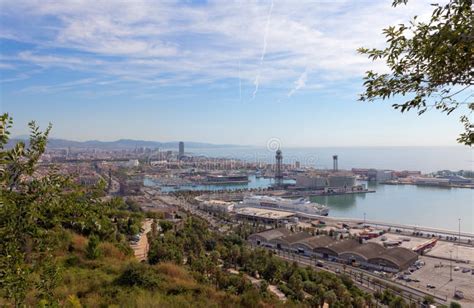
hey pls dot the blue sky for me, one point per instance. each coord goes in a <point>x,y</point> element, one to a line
<point>238,72</point>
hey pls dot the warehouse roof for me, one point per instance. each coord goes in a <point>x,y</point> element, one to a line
<point>272,234</point>
<point>367,251</point>
<point>341,246</point>
<point>401,257</point>
<point>316,241</point>
<point>293,238</point>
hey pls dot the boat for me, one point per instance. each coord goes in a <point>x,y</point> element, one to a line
<point>302,207</point>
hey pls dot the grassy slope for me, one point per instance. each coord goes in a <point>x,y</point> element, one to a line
<point>94,283</point>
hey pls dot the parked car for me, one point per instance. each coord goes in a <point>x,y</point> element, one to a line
<point>458,294</point>
<point>466,270</point>
<point>456,268</point>
<point>430,286</point>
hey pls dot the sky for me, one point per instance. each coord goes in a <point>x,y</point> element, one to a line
<point>233,72</point>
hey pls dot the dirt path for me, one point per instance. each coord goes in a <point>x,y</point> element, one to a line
<point>140,249</point>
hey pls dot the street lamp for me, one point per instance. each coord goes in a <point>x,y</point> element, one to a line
<point>459,240</point>
<point>450,265</point>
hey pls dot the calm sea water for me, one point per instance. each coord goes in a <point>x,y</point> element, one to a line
<point>425,159</point>
<point>408,204</point>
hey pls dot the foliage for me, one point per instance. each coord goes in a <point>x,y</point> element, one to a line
<point>35,208</point>
<point>165,225</point>
<point>454,305</point>
<point>428,299</point>
<point>92,249</point>
<point>430,62</point>
<point>138,274</point>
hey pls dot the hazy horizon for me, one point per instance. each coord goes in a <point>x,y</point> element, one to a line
<point>456,145</point>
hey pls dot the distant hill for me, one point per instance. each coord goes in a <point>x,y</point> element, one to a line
<point>55,143</point>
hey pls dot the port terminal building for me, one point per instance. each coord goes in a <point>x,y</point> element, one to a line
<point>338,181</point>
<point>266,216</point>
<point>347,251</point>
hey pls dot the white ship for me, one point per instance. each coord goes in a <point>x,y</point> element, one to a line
<point>301,207</point>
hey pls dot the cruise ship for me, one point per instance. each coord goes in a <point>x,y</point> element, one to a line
<point>301,207</point>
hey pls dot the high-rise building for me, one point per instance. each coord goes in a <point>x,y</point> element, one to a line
<point>297,165</point>
<point>334,164</point>
<point>181,150</point>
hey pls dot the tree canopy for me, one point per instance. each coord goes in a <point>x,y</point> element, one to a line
<point>431,64</point>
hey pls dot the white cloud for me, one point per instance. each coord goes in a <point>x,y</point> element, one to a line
<point>161,42</point>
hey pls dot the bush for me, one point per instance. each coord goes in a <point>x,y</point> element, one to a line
<point>110,250</point>
<point>92,249</point>
<point>71,261</point>
<point>165,225</point>
<point>138,274</point>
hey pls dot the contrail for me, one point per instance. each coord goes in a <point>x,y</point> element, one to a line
<point>264,50</point>
<point>300,83</point>
<point>240,84</point>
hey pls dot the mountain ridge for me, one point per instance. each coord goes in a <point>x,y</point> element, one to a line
<point>54,143</point>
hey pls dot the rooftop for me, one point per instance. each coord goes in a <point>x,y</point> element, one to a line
<point>295,237</point>
<point>316,241</point>
<point>263,213</point>
<point>368,250</point>
<point>343,245</point>
<point>273,233</point>
<point>398,255</point>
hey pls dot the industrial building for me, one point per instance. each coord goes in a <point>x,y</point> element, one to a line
<point>217,206</point>
<point>263,215</point>
<point>311,182</point>
<point>341,181</point>
<point>347,251</point>
<point>321,181</point>
<point>264,238</point>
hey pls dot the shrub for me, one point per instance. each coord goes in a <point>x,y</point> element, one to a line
<point>92,249</point>
<point>71,261</point>
<point>138,274</point>
<point>110,250</point>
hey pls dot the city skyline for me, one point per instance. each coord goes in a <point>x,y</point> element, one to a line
<point>206,72</point>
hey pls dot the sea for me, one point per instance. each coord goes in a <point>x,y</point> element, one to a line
<point>406,204</point>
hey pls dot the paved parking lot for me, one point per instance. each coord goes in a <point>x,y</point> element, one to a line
<point>439,275</point>
<point>442,249</point>
<point>436,272</point>
<point>449,250</point>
